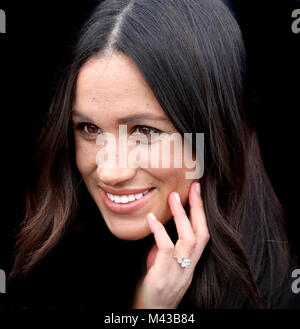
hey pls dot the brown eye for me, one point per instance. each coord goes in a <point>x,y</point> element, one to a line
<point>146,130</point>
<point>87,130</point>
<point>91,129</point>
<point>151,134</point>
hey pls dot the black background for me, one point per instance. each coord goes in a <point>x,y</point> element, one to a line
<point>39,36</point>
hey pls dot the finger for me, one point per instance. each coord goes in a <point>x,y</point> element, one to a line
<point>197,215</point>
<point>151,256</point>
<point>183,225</point>
<point>164,243</point>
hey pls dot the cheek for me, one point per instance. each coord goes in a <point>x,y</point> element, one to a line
<point>172,180</point>
<point>85,158</point>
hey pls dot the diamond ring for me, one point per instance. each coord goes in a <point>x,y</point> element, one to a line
<point>183,262</point>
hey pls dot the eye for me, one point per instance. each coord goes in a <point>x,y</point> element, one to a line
<point>145,130</point>
<point>88,129</point>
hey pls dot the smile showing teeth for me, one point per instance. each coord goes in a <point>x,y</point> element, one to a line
<point>126,198</point>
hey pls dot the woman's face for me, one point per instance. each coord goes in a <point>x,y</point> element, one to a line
<point>111,91</point>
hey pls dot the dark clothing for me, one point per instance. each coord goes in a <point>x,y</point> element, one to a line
<point>90,268</point>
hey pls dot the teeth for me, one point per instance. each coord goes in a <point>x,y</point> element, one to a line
<point>126,198</point>
<point>131,197</point>
<point>138,196</point>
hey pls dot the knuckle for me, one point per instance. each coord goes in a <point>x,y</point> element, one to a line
<point>168,249</point>
<point>160,286</point>
<point>156,281</point>
<point>180,213</point>
<point>194,208</point>
<point>205,237</point>
<point>191,243</point>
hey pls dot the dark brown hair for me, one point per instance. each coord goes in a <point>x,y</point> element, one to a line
<point>191,53</point>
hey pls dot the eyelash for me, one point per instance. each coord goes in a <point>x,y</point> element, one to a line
<point>82,125</point>
<point>149,128</point>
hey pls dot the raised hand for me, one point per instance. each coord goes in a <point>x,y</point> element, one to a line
<point>168,271</point>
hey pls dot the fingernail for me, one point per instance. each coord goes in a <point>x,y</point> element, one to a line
<point>177,197</point>
<point>198,188</point>
<point>152,217</point>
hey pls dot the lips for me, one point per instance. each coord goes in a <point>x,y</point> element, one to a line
<point>125,201</point>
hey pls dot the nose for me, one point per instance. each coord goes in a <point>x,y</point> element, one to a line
<point>115,176</point>
<point>110,161</point>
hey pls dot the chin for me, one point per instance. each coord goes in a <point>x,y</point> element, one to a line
<point>130,235</point>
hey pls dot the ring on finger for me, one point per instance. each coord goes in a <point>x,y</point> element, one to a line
<point>183,262</point>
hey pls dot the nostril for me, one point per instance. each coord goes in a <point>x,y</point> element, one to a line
<point>113,176</point>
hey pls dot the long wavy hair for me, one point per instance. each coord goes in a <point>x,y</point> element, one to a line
<point>192,55</point>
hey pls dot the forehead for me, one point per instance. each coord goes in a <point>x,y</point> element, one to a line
<point>113,85</point>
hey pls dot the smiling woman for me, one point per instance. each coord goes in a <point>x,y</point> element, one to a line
<point>163,67</point>
<point>109,98</point>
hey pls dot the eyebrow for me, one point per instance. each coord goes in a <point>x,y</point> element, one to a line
<point>81,115</point>
<point>129,118</point>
